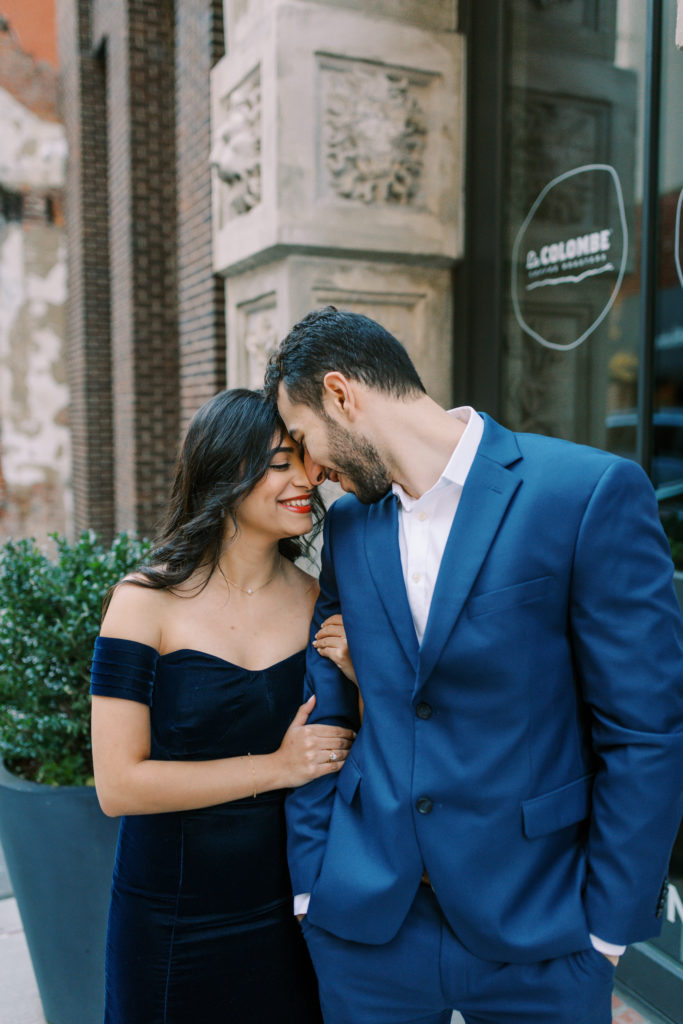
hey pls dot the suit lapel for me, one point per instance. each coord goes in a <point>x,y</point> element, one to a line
<point>384,559</point>
<point>487,493</point>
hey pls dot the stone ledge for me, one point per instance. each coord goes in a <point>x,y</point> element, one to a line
<point>334,130</point>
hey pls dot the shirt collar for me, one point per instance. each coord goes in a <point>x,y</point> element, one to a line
<point>460,462</point>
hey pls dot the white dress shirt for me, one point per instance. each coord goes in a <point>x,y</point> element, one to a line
<point>424,524</point>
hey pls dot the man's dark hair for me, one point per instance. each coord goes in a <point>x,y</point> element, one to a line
<point>350,343</point>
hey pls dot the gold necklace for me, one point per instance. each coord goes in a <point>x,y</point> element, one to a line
<point>250,591</point>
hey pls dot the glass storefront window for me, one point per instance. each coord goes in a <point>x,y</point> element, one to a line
<point>583,356</point>
<point>574,193</point>
<point>667,462</point>
<point>667,432</point>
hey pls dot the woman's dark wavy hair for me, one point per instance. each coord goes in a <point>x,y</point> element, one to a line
<point>228,448</point>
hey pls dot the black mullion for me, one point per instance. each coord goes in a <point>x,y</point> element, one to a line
<point>479,281</point>
<point>649,233</point>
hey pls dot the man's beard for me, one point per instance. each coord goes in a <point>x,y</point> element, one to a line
<point>360,462</point>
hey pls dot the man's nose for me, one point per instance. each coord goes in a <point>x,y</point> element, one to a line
<point>314,471</point>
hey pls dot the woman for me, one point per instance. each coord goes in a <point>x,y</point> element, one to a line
<point>197,675</point>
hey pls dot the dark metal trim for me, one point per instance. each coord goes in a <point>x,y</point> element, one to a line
<point>649,228</point>
<point>479,291</point>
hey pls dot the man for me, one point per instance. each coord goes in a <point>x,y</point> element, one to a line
<point>502,827</point>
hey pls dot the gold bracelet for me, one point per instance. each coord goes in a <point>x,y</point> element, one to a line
<point>253,773</point>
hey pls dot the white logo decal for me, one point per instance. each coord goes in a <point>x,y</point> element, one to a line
<point>584,256</point>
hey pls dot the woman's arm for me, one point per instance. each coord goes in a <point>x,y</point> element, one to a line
<point>129,782</point>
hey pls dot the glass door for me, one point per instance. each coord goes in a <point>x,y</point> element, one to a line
<point>667,381</point>
<point>573,186</point>
<point>570,297</point>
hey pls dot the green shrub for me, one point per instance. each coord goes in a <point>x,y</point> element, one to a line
<point>49,617</point>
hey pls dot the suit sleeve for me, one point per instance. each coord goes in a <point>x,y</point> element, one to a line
<point>309,807</point>
<point>628,643</point>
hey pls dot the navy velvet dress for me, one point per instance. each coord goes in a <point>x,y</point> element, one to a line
<point>200,924</point>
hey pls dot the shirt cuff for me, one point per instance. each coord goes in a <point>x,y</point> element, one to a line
<point>301,902</point>
<point>607,947</point>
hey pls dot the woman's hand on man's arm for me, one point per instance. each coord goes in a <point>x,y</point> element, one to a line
<point>330,642</point>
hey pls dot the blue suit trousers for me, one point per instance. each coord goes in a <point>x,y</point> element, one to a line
<point>425,972</point>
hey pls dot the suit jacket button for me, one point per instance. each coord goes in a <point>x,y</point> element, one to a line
<point>424,805</point>
<point>423,710</point>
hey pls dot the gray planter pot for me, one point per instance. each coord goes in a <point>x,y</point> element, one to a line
<point>59,849</point>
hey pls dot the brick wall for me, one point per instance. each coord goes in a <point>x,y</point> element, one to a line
<point>139,37</point>
<point>201,325</point>
<point>88,327</point>
<point>121,218</point>
<point>146,311</point>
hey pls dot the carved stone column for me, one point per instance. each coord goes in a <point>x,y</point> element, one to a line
<point>338,160</point>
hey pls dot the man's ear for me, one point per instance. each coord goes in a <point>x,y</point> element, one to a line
<point>339,395</point>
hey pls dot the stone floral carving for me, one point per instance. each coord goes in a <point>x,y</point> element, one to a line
<point>261,340</point>
<point>374,134</point>
<point>236,154</point>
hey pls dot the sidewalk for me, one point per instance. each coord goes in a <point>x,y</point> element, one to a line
<point>20,1002</point>
<point>19,999</point>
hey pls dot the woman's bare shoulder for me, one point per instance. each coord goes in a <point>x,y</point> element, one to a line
<point>136,611</point>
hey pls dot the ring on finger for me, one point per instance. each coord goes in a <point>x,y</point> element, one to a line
<point>333,755</point>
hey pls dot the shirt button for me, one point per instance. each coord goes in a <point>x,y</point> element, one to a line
<point>422,516</point>
<point>423,710</point>
<point>416,577</point>
<point>424,805</point>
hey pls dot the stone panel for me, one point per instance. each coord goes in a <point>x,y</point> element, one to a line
<point>373,133</point>
<point>359,149</point>
<point>244,16</point>
<point>236,154</point>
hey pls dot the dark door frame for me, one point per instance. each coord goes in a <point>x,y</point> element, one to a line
<point>480,290</point>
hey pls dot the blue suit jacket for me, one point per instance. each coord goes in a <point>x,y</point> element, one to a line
<point>529,754</point>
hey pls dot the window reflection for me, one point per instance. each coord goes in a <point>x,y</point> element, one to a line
<point>668,366</point>
<point>574,127</point>
<point>667,461</point>
<point>575,130</point>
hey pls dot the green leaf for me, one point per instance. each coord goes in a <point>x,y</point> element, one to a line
<point>50,612</point>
